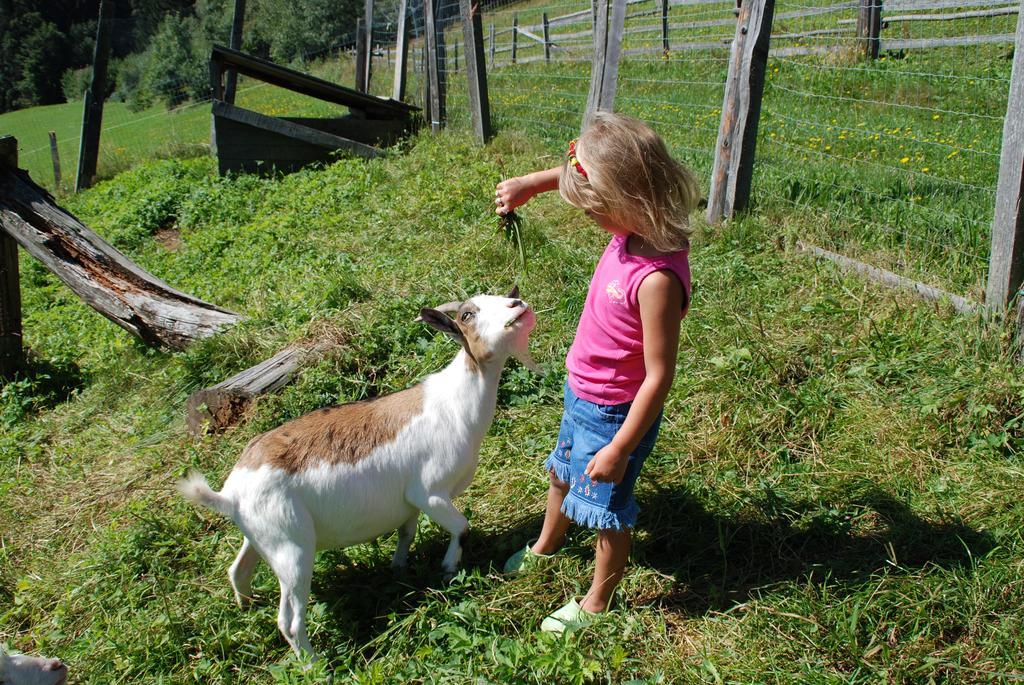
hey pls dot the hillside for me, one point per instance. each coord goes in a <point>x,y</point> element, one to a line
<point>834,498</point>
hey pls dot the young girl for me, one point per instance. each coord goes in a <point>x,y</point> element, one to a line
<point>622,361</point>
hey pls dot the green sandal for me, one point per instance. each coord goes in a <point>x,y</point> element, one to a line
<point>525,559</point>
<point>571,615</point>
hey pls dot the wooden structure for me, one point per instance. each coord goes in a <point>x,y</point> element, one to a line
<point>104,278</point>
<point>213,409</point>
<point>249,141</point>
<point>1006,259</point>
<point>869,27</point>
<point>604,68</point>
<point>92,112</point>
<point>733,169</point>
<point>11,352</point>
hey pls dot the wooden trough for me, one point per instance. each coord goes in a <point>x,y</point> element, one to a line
<point>248,141</point>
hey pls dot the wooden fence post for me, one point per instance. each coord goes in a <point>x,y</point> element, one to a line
<point>235,43</point>
<point>491,41</point>
<point>547,38</point>
<point>600,33</point>
<point>455,55</point>
<point>92,111</point>
<point>436,99</point>
<point>741,109</point>
<point>401,51</point>
<point>869,27</point>
<point>515,35</point>
<point>11,352</point>
<point>55,158</point>
<point>476,72</point>
<point>664,26</point>
<point>427,115</point>
<point>360,56</point>
<point>368,29</point>
<point>604,69</point>
<point>1006,258</point>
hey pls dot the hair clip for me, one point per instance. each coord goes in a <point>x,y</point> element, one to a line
<point>571,154</point>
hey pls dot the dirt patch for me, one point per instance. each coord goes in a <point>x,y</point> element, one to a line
<point>168,238</point>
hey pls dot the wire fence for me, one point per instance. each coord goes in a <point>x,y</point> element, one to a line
<point>892,161</point>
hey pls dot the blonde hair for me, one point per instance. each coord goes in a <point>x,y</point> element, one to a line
<point>632,179</point>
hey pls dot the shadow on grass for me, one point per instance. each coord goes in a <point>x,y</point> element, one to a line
<point>721,561</point>
<point>717,561</point>
<point>40,383</point>
<point>363,597</point>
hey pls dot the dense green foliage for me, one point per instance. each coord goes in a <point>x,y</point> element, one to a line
<point>833,498</point>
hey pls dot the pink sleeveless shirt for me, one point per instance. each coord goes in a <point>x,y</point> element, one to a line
<point>606,360</point>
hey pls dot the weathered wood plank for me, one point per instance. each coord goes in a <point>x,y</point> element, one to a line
<point>434,78</point>
<point>298,82</point>
<point>892,280</point>
<point>92,109</point>
<point>215,408</point>
<point>613,52</point>
<point>104,278</point>
<point>11,350</point>
<point>892,19</point>
<point>664,26</point>
<point>741,108</point>
<point>55,160</point>
<point>235,41</point>
<point>598,62</point>
<point>491,43</point>
<point>515,36</point>
<point>361,56</point>
<point>547,38</point>
<point>678,3</point>
<point>952,42</point>
<point>1006,257</point>
<point>292,130</point>
<point>368,47</point>
<point>476,71</point>
<point>869,27</point>
<point>931,5</point>
<point>401,51</point>
<point>532,36</point>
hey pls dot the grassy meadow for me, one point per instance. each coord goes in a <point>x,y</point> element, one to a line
<point>834,498</point>
<point>835,495</point>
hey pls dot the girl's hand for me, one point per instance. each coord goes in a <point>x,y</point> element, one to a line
<point>511,193</point>
<point>608,465</point>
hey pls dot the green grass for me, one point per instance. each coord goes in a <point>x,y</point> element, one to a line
<point>833,498</point>
<point>835,494</point>
<point>129,138</point>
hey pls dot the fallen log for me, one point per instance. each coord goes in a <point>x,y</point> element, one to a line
<point>215,408</point>
<point>104,278</point>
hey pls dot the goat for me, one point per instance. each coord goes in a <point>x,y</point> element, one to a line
<point>19,669</point>
<point>348,474</point>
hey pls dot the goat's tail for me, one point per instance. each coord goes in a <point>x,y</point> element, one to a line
<point>195,488</point>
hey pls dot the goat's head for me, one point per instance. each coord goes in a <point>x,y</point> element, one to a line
<point>19,669</point>
<point>489,328</point>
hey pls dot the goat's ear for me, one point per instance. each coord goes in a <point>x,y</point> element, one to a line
<point>514,295</point>
<point>441,321</point>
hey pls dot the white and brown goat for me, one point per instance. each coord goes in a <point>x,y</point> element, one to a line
<point>351,473</point>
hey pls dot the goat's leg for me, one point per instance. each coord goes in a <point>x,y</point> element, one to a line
<point>241,572</point>
<point>293,564</point>
<point>406,534</point>
<point>441,510</point>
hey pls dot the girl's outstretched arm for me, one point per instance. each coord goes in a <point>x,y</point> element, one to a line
<point>513,192</point>
<point>661,302</point>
